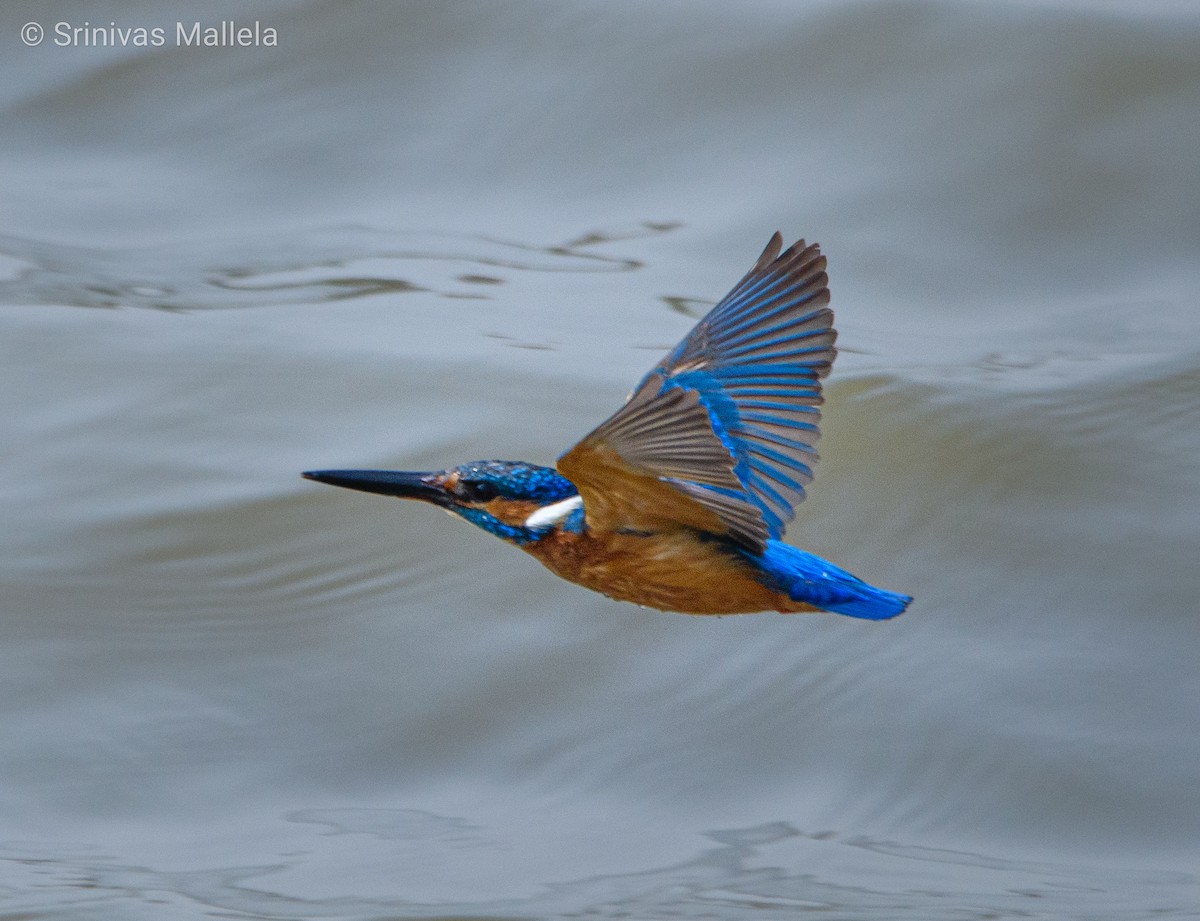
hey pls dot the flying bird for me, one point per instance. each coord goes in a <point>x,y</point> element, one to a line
<point>679,500</point>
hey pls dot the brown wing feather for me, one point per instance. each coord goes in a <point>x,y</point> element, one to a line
<point>615,496</point>
<point>648,464</point>
<point>751,369</point>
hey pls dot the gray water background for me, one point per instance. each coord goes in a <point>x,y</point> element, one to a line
<point>415,234</point>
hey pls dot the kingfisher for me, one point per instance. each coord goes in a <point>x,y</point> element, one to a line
<point>679,500</point>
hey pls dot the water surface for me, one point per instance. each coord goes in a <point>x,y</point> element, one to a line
<point>417,234</point>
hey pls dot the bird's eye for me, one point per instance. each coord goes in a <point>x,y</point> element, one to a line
<point>478,490</point>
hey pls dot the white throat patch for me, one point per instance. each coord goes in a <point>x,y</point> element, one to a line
<point>555,513</point>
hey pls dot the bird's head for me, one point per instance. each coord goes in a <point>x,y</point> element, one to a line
<point>516,501</point>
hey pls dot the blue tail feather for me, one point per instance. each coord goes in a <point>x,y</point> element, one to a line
<point>808,578</point>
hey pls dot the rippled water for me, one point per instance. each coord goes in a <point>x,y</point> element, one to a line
<point>417,234</point>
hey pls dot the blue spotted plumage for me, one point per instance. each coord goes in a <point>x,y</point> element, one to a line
<point>680,499</point>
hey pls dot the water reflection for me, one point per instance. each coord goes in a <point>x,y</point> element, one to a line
<point>318,266</point>
<point>224,684</point>
<point>761,872</point>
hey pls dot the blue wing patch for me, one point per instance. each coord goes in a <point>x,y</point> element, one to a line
<point>730,416</point>
<point>757,361</point>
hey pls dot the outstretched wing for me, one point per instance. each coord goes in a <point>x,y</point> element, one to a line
<point>721,435</point>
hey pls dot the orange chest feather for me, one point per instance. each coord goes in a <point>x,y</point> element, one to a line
<point>672,572</point>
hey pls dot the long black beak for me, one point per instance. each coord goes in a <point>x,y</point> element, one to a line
<point>399,483</point>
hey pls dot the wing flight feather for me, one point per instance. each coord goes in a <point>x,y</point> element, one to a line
<point>721,434</point>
